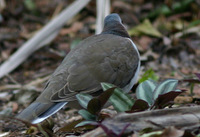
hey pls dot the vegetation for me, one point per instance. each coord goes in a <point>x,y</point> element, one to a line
<point>164,102</point>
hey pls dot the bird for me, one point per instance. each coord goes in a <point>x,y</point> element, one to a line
<point>110,56</point>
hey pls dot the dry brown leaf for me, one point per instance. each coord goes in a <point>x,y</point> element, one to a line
<point>73,29</point>
<point>135,135</point>
<point>122,4</point>
<point>64,46</point>
<point>185,70</point>
<point>14,107</point>
<point>172,132</point>
<point>182,99</point>
<point>196,90</point>
<point>144,42</point>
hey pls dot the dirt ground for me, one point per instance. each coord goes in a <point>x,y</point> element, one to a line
<point>169,44</point>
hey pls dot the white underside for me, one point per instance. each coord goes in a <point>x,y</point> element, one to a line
<point>40,119</point>
<point>128,87</point>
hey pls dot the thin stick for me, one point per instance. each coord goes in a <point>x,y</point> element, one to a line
<point>155,119</point>
<point>44,36</point>
<point>103,9</point>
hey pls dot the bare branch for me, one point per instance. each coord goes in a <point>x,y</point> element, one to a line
<point>157,119</point>
<point>44,36</point>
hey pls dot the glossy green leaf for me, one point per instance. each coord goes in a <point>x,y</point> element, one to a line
<point>165,87</point>
<point>121,101</point>
<point>84,123</point>
<point>145,91</point>
<point>177,7</point>
<point>149,74</point>
<point>30,4</point>
<point>105,86</point>
<point>87,115</point>
<point>152,134</point>
<point>83,99</point>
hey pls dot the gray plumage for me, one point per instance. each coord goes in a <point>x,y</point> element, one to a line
<point>108,57</point>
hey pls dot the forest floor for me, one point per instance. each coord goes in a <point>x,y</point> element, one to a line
<point>167,34</point>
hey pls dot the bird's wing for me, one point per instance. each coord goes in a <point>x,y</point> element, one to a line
<point>97,59</point>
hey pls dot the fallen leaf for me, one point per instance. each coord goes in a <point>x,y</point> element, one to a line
<point>64,46</point>
<point>144,43</point>
<point>196,89</point>
<point>73,29</point>
<point>162,24</point>
<point>172,132</point>
<point>182,99</point>
<point>14,107</point>
<point>145,28</point>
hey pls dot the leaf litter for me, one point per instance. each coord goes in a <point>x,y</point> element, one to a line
<point>168,42</point>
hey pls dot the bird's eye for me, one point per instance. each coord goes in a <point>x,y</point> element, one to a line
<point>122,21</point>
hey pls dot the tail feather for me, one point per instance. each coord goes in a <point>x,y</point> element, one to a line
<point>37,112</point>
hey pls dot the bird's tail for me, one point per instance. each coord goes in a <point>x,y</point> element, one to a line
<point>37,112</point>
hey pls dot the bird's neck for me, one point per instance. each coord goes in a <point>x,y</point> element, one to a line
<point>115,29</point>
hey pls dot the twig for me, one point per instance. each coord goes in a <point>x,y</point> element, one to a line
<point>44,36</point>
<point>12,79</point>
<point>29,86</point>
<point>179,117</point>
<point>103,9</point>
<point>7,87</point>
<point>187,31</point>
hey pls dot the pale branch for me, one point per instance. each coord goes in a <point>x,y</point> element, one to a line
<point>103,9</point>
<point>44,36</point>
<point>31,85</point>
<point>156,119</point>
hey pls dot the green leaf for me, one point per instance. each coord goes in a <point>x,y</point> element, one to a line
<point>105,86</point>
<point>75,43</point>
<point>152,134</point>
<point>163,9</point>
<point>177,7</point>
<point>145,91</point>
<point>181,6</point>
<point>83,99</point>
<point>87,115</point>
<point>84,123</point>
<point>194,23</point>
<point>149,74</point>
<point>69,127</point>
<point>121,101</point>
<point>30,5</point>
<point>145,28</point>
<point>165,87</point>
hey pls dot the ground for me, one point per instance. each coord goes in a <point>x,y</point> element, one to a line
<point>166,34</point>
